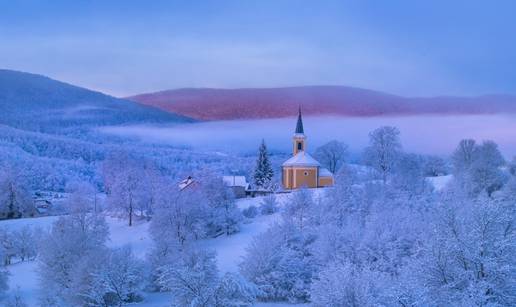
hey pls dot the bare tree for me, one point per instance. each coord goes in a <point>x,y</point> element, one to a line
<point>383,150</point>
<point>332,155</point>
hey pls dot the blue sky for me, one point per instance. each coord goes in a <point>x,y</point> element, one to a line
<point>417,48</point>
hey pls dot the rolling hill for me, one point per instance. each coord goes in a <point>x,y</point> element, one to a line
<point>35,102</point>
<point>248,103</point>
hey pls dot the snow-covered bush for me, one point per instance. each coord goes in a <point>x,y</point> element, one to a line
<point>269,205</point>
<point>234,291</point>
<point>250,212</point>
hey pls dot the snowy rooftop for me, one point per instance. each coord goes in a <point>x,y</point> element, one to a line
<point>235,181</point>
<point>301,159</point>
<point>324,172</point>
<point>185,183</point>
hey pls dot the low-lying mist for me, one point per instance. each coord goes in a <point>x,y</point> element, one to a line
<point>422,134</point>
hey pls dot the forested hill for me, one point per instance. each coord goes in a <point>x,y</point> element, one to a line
<point>228,104</point>
<point>36,102</point>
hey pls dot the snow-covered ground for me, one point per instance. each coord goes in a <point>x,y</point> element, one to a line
<point>230,249</point>
<point>440,182</point>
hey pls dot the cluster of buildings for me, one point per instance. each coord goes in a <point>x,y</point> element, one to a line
<point>300,171</point>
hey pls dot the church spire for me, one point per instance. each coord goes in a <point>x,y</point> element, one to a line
<point>299,126</point>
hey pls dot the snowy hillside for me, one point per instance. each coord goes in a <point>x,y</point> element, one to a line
<point>255,103</point>
<point>39,103</point>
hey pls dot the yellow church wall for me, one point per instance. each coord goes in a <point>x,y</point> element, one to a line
<point>301,177</point>
<point>325,181</point>
<point>288,178</point>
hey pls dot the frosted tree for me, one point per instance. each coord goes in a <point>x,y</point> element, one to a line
<point>383,150</point>
<point>477,167</point>
<point>118,280</point>
<point>67,256</point>
<point>332,155</point>
<point>16,300</point>
<point>298,210</point>
<point>15,199</point>
<point>463,156</point>
<point>485,174</point>
<point>25,243</point>
<point>223,217</point>
<point>280,260</point>
<point>409,176</point>
<point>435,166</point>
<point>8,249</point>
<point>4,280</point>
<point>82,196</point>
<point>263,172</point>
<point>344,284</point>
<point>133,185</point>
<point>470,259</point>
<point>192,279</point>
<point>180,216</point>
<point>512,166</point>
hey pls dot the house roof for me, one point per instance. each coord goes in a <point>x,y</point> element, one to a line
<point>235,181</point>
<point>183,184</point>
<point>301,159</point>
<point>324,172</point>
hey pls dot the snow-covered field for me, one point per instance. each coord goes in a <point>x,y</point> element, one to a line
<point>229,249</point>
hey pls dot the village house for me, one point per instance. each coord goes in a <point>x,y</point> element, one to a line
<point>238,184</point>
<point>302,170</point>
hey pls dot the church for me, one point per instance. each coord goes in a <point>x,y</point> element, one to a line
<point>302,170</point>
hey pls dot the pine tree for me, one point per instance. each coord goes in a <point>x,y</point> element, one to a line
<point>263,172</point>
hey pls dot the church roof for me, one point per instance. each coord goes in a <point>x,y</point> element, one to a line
<point>301,159</point>
<point>299,125</point>
<point>324,172</point>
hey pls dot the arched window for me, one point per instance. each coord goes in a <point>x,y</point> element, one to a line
<point>299,146</point>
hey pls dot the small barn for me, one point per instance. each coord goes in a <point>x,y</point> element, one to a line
<point>238,184</point>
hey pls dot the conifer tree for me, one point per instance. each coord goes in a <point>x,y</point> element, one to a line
<point>263,172</point>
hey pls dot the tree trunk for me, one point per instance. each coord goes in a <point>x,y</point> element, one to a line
<point>130,214</point>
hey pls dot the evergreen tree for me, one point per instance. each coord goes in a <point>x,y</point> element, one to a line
<point>263,172</point>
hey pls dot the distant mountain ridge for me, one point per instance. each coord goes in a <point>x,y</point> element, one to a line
<point>250,103</point>
<point>35,102</point>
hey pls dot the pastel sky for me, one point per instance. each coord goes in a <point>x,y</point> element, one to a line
<point>407,47</point>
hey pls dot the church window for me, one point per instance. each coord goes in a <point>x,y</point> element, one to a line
<point>306,173</point>
<point>299,146</point>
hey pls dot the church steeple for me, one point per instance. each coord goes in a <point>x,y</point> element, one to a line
<point>299,126</point>
<point>299,135</point>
